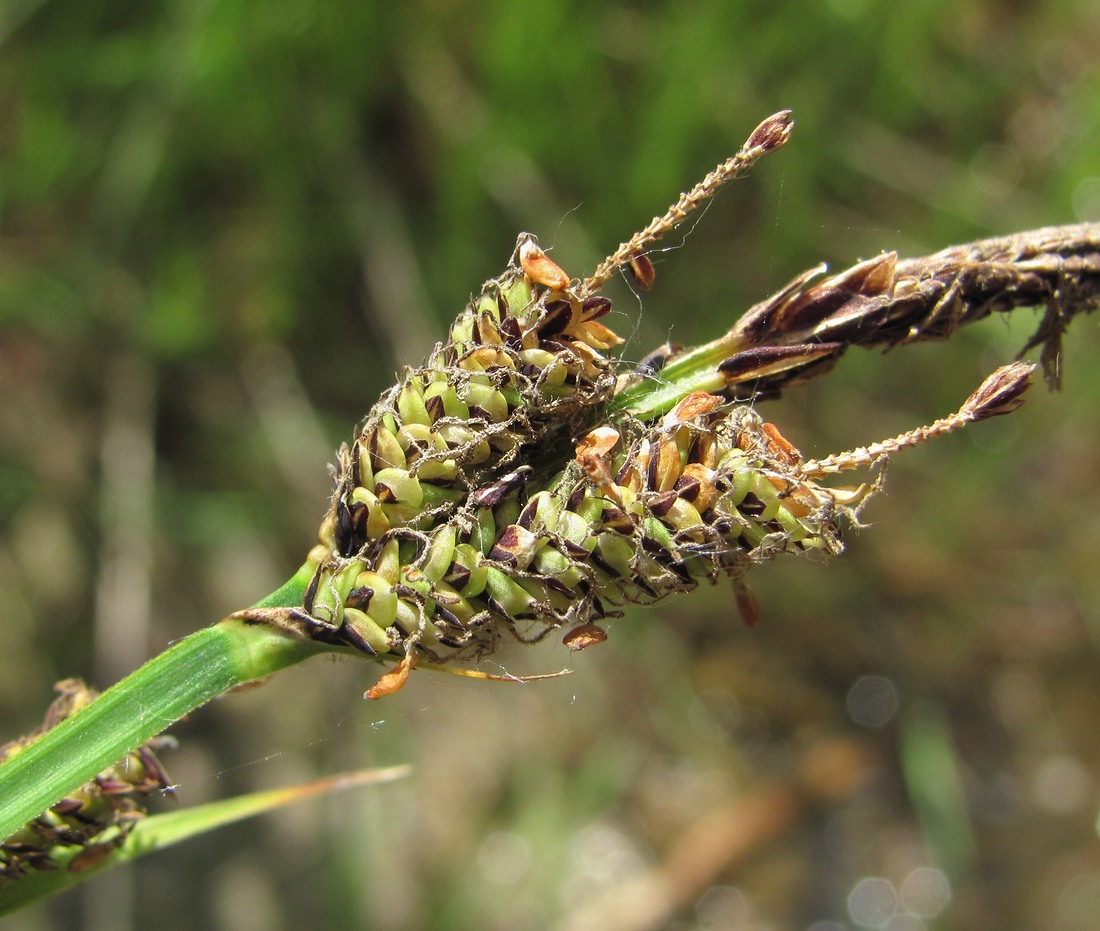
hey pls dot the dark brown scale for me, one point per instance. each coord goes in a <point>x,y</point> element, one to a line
<point>576,496</point>
<point>556,585</point>
<point>762,360</point>
<point>506,547</point>
<point>659,504</point>
<point>573,549</point>
<point>616,519</point>
<point>310,593</point>
<point>513,335</point>
<point>442,614</point>
<point>527,515</point>
<point>67,806</point>
<point>688,486</point>
<point>479,413</point>
<point>490,496</point>
<point>153,769</point>
<point>751,505</point>
<point>652,546</point>
<point>645,588</point>
<point>558,344</point>
<point>435,407</point>
<point>555,318</point>
<point>355,471</point>
<point>344,530</point>
<point>111,787</point>
<point>372,445</point>
<point>356,640</point>
<point>458,576</point>
<point>681,571</point>
<point>813,306</point>
<point>651,477</point>
<point>596,560</point>
<point>359,515</point>
<point>360,597</point>
<point>695,449</point>
<point>595,307</point>
<point>496,608</point>
<point>652,363</point>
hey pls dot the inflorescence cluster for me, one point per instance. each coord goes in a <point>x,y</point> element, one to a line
<point>521,480</point>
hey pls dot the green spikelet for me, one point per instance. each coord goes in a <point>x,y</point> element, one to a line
<point>634,519</point>
<point>97,816</point>
<point>522,364</point>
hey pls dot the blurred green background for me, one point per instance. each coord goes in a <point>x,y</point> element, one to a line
<point>225,225</point>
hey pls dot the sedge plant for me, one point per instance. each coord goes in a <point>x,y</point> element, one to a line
<point>523,481</point>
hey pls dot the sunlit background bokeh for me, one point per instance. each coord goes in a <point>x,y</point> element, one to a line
<point>224,225</point>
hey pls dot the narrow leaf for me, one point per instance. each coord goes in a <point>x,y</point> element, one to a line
<point>161,831</point>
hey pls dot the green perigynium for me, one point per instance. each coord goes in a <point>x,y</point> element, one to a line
<point>637,516</point>
<point>523,368</point>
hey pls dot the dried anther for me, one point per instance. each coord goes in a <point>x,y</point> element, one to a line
<point>539,267</point>
<point>773,133</point>
<point>642,269</point>
<point>580,638</point>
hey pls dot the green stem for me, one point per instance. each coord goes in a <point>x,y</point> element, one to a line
<point>187,675</point>
<point>696,370</point>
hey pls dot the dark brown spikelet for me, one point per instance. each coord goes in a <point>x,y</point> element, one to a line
<point>886,301</point>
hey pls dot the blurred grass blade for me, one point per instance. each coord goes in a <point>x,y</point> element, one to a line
<point>931,768</point>
<point>161,831</point>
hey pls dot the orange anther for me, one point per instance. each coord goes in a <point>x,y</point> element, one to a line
<point>540,268</point>
<point>394,680</point>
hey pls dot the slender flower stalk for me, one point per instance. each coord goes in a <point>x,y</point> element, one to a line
<point>1001,393</point>
<point>768,137</point>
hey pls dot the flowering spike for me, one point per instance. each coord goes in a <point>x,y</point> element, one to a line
<point>999,394</point>
<point>449,527</point>
<point>521,367</point>
<point>96,817</point>
<point>769,136</point>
